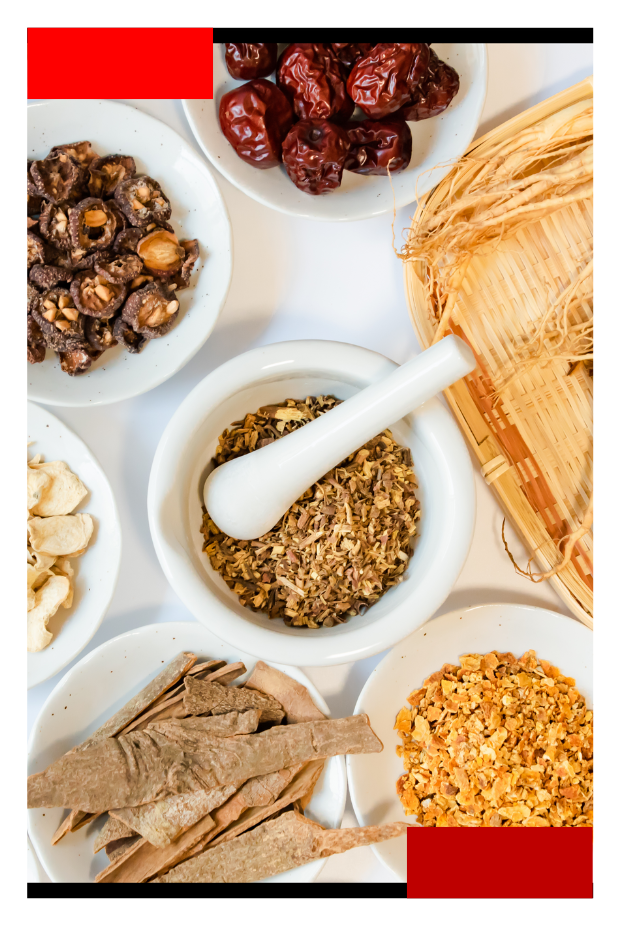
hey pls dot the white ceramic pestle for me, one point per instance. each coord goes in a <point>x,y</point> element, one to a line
<point>247,496</point>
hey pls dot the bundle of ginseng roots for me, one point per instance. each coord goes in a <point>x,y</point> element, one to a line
<point>204,781</point>
<point>488,199</point>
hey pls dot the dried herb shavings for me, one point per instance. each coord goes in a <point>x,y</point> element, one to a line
<point>340,547</point>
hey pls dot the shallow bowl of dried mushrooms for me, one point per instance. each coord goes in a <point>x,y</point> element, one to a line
<point>486,719</point>
<point>123,291</point>
<point>70,505</point>
<point>214,584</point>
<point>124,687</point>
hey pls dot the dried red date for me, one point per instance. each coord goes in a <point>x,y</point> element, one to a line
<point>247,61</point>
<point>314,154</point>
<point>384,81</point>
<point>348,53</point>
<point>434,93</point>
<point>313,80</point>
<point>377,145</point>
<point>255,119</point>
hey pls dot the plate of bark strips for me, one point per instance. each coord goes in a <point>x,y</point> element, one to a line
<point>237,772</point>
<point>129,252</point>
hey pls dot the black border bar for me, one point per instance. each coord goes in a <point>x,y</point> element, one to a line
<point>483,34</point>
<point>294,890</point>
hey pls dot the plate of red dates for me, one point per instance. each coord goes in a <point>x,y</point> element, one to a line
<point>339,131</point>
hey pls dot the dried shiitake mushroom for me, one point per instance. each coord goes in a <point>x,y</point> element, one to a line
<point>161,253</point>
<point>32,297</point>
<point>61,322</point>
<point>131,340</point>
<point>150,311</point>
<point>119,269</point>
<point>99,333</point>
<point>107,173</point>
<point>82,152</point>
<point>92,224</point>
<point>57,178</point>
<point>34,200</point>
<point>47,276</point>
<point>142,201</point>
<point>36,249</point>
<point>36,342</point>
<point>192,252</point>
<point>77,359</point>
<point>127,239</point>
<point>96,296</point>
<point>54,225</point>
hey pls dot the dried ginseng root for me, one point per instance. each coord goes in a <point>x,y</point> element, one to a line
<point>340,547</point>
<point>497,742</point>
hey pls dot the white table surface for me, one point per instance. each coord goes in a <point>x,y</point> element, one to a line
<point>297,279</point>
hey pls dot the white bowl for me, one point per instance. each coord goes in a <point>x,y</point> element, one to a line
<point>198,212</point>
<point>514,628</point>
<point>88,695</point>
<point>96,572</point>
<point>268,375</point>
<point>436,141</point>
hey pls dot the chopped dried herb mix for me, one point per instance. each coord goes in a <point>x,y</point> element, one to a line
<point>340,547</point>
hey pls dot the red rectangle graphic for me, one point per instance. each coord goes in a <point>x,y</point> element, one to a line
<point>491,862</point>
<point>118,63</point>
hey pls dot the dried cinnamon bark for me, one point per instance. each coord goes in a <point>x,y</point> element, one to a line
<point>144,766</point>
<point>292,695</point>
<point>281,844</point>
<point>144,861</point>
<point>209,697</point>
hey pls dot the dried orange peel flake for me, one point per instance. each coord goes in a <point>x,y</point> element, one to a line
<point>497,742</point>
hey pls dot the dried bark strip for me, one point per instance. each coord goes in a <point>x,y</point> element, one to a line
<point>111,831</point>
<point>144,766</point>
<point>291,694</point>
<point>281,844</point>
<point>209,697</point>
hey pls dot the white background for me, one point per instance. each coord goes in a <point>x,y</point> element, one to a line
<point>296,279</point>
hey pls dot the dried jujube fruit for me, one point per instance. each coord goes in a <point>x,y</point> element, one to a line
<point>127,337</point>
<point>57,177</point>
<point>35,341</point>
<point>107,173</point>
<point>36,249</point>
<point>311,77</point>
<point>119,269</point>
<point>435,91</point>
<point>348,53</point>
<point>314,154</point>
<point>384,80</point>
<point>161,253</point>
<point>255,118</point>
<point>82,152</point>
<point>54,225</point>
<point>151,311</point>
<point>96,296</point>
<point>77,359</point>
<point>246,61</point>
<point>48,276</point>
<point>92,224</point>
<point>142,201</point>
<point>99,333</point>
<point>377,145</point>
<point>61,322</point>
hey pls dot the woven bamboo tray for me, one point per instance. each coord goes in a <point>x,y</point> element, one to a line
<point>534,440</point>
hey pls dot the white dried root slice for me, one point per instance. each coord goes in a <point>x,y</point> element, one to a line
<point>38,482</point>
<point>61,494</point>
<point>62,535</point>
<point>47,600</point>
<point>63,567</point>
<point>40,561</point>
